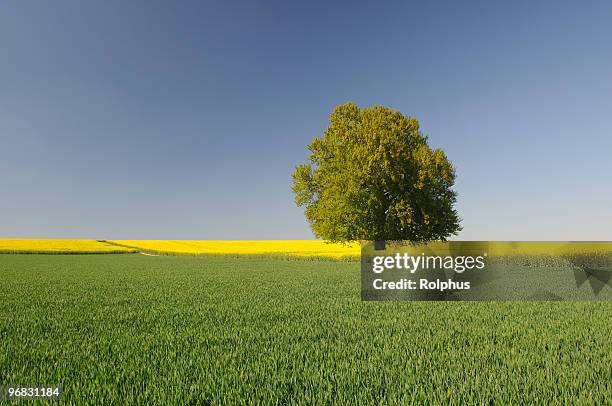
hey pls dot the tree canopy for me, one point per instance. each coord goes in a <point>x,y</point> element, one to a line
<point>372,176</point>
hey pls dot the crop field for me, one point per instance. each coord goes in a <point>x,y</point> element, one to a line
<point>59,246</point>
<point>322,249</point>
<point>316,249</point>
<point>246,330</point>
<point>299,248</point>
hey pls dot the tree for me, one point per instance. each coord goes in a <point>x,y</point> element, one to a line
<point>372,176</point>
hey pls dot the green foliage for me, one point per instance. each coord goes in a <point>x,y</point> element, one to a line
<point>131,329</point>
<point>372,176</point>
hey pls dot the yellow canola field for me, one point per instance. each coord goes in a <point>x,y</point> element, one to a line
<point>57,246</point>
<point>526,248</point>
<point>309,248</point>
<point>302,248</point>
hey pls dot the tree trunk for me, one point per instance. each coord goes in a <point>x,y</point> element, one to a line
<point>379,245</point>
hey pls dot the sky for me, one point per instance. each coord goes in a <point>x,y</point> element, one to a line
<point>185,119</point>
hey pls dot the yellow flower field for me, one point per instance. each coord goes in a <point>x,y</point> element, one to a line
<point>314,248</point>
<point>57,246</point>
<point>513,247</point>
<point>301,248</point>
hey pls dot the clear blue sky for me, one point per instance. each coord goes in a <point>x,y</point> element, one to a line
<point>184,119</point>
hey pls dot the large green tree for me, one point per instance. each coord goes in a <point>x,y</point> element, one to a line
<point>372,176</point>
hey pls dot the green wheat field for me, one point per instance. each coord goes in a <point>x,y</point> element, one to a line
<point>245,330</point>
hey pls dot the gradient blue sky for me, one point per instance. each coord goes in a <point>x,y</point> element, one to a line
<point>184,119</point>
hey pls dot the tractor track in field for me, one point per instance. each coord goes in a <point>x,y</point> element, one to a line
<point>140,251</point>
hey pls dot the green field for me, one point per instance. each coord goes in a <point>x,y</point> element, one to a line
<point>215,329</point>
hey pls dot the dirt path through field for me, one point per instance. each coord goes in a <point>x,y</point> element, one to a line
<point>149,254</point>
